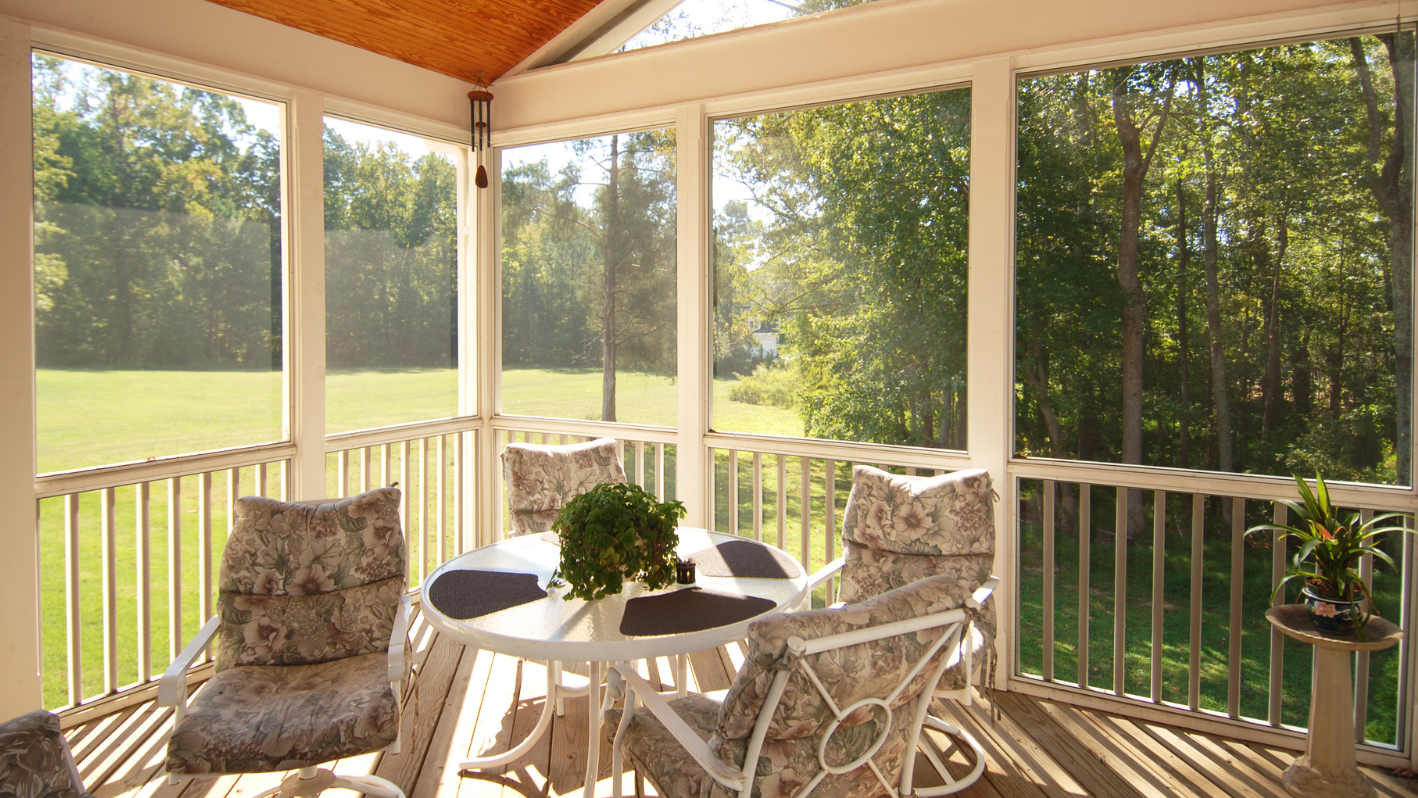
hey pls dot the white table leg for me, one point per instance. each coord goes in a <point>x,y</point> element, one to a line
<point>1328,767</point>
<point>593,742</point>
<point>681,675</point>
<point>543,722</point>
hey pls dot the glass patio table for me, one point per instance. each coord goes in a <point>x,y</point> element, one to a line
<point>558,630</point>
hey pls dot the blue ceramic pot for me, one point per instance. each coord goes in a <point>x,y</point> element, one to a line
<point>1330,614</point>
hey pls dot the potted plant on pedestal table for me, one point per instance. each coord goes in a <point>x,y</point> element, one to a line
<point>1328,558</point>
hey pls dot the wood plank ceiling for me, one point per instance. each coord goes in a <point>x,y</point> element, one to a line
<point>459,38</point>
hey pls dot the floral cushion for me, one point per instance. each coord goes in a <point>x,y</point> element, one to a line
<point>265,719</point>
<point>851,673</point>
<point>34,759</point>
<point>952,514</point>
<point>541,478</point>
<point>784,766</point>
<point>288,549</point>
<point>301,630</point>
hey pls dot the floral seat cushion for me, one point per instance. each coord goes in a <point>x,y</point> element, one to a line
<point>542,478</point>
<point>784,767</point>
<point>899,529</point>
<point>275,718</point>
<point>34,759</point>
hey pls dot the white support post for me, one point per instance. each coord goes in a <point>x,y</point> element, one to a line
<point>19,569</point>
<point>470,368</point>
<point>693,320</point>
<point>487,271</point>
<point>990,375</point>
<point>304,246</point>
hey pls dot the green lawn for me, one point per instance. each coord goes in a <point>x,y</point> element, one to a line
<point>641,398</point>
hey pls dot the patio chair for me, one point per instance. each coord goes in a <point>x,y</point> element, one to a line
<point>35,761</point>
<point>541,478</point>
<point>310,647</point>
<point>899,529</point>
<point>831,699</point>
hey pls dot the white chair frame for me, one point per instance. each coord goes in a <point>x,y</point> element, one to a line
<point>626,683</point>
<point>309,781</point>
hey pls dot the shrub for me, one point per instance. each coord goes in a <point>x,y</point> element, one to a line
<point>775,385</point>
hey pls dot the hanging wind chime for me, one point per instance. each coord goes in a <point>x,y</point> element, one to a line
<point>481,101</point>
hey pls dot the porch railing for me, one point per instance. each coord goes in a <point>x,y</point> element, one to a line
<point>127,563</point>
<point>1150,592</point>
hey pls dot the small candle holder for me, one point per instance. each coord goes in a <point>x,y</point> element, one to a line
<point>684,571</point>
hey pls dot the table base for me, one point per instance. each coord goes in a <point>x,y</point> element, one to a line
<point>556,691</point>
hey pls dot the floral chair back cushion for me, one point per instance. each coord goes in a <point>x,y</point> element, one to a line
<point>542,478</point>
<point>301,584</point>
<point>898,529</point>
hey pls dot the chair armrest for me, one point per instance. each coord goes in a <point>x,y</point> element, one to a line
<point>983,593</point>
<point>675,725</point>
<point>172,688</point>
<point>825,573</point>
<point>398,640</point>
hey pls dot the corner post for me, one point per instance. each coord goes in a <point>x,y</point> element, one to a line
<point>990,372</point>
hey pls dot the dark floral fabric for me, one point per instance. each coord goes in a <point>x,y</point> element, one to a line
<point>274,718</point>
<point>286,549</point>
<point>541,478</point>
<point>301,630</point>
<point>951,514</point>
<point>784,766</point>
<point>34,759</point>
<point>851,673</point>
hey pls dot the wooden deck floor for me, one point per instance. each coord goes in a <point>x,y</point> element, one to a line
<point>464,702</point>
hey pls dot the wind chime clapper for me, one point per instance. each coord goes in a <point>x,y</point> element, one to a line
<point>481,101</point>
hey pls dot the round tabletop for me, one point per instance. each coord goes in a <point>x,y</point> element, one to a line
<point>576,630</point>
<point>1294,620</point>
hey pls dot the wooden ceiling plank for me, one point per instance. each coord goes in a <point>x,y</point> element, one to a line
<point>459,38</point>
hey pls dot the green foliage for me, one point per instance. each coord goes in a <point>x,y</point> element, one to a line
<point>1311,337</point>
<point>861,262</point>
<point>775,385</point>
<point>615,532</point>
<point>1330,546</point>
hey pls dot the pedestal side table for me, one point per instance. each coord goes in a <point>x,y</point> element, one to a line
<point>1328,767</point>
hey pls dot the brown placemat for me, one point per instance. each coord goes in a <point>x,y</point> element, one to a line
<point>550,537</point>
<point>471,594</point>
<point>746,559</point>
<point>690,610</point>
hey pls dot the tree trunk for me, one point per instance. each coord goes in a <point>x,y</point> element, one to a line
<point>1210,220</point>
<point>1183,261</point>
<point>612,254</point>
<point>1392,186</point>
<point>1135,166</point>
<point>1038,379</point>
<point>1272,335</point>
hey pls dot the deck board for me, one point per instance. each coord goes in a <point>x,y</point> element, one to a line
<point>463,702</point>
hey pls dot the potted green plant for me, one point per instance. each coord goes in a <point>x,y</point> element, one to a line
<point>1328,557</point>
<point>615,532</point>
